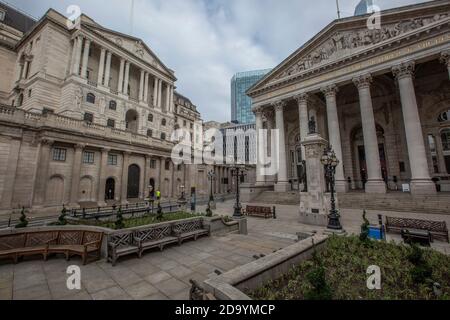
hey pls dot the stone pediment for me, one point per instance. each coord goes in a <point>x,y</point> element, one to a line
<point>133,45</point>
<point>344,38</point>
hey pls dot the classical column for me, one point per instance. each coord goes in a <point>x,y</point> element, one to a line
<point>375,183</point>
<point>141,86</point>
<point>84,66</point>
<point>155,93</point>
<point>302,102</point>
<point>146,88</point>
<point>335,135</point>
<point>159,93</point>
<point>101,67</point>
<point>260,154</point>
<point>78,45</point>
<point>108,68</point>
<point>162,167</point>
<point>124,181</point>
<point>282,183</point>
<point>42,172</point>
<point>420,177</point>
<point>146,176</point>
<point>167,98</point>
<point>121,71</point>
<point>102,177</point>
<point>445,58</point>
<point>126,78</point>
<point>171,99</point>
<point>76,170</point>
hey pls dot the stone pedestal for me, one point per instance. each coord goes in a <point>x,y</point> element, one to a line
<point>315,204</point>
<point>242,225</point>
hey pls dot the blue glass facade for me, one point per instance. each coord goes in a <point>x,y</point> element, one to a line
<point>241,104</point>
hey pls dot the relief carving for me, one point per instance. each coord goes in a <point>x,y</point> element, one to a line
<point>345,42</point>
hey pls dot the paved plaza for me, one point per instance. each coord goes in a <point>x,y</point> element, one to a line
<point>166,275</point>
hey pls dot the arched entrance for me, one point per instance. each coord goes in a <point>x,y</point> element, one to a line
<point>110,189</point>
<point>131,121</point>
<point>134,174</point>
<point>359,156</point>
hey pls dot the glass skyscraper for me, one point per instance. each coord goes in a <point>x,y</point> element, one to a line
<point>241,104</point>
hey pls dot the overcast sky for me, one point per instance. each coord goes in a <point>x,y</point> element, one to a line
<point>207,41</point>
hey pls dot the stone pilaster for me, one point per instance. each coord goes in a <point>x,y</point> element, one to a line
<point>159,94</point>
<point>10,174</point>
<point>155,93</point>
<point>260,154</point>
<point>375,183</point>
<point>335,134</point>
<point>282,183</point>
<point>103,170</point>
<point>78,46</point>
<point>40,184</point>
<point>121,71</point>
<point>420,180</point>
<point>126,78</point>
<point>141,86</point>
<point>101,67</point>
<point>146,88</point>
<point>124,181</point>
<point>302,102</point>
<point>108,69</point>
<point>76,170</point>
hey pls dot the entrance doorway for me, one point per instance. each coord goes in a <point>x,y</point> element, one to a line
<point>134,174</point>
<point>110,189</point>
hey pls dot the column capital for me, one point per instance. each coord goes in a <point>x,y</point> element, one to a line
<point>405,69</point>
<point>363,81</point>
<point>105,150</point>
<point>79,146</point>
<point>445,58</point>
<point>279,105</point>
<point>47,141</point>
<point>330,90</point>
<point>258,111</point>
<point>127,153</point>
<point>302,98</point>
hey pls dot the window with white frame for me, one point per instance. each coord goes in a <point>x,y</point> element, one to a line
<point>112,160</point>
<point>59,154</point>
<point>88,157</point>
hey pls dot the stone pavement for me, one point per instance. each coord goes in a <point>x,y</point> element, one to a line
<point>165,275</point>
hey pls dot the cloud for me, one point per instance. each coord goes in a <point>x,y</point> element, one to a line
<point>207,41</point>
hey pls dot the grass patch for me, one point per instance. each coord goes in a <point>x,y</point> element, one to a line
<point>137,222</point>
<point>345,261</point>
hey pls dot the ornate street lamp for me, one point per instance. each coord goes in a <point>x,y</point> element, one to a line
<point>238,172</point>
<point>211,178</point>
<point>330,162</point>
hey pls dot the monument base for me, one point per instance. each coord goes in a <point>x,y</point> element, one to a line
<point>314,208</point>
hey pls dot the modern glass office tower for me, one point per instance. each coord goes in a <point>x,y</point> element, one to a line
<point>241,104</point>
<point>363,7</point>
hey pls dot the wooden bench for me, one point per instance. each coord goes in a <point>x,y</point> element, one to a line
<point>261,212</point>
<point>156,237</point>
<point>437,229</point>
<point>190,229</point>
<point>45,243</point>
<point>121,244</point>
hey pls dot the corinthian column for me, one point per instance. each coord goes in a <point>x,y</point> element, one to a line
<point>84,66</point>
<point>282,183</point>
<point>260,152</point>
<point>141,86</point>
<point>445,58</point>
<point>101,67</point>
<point>126,78</point>
<point>108,68</point>
<point>78,42</point>
<point>302,101</point>
<point>375,183</point>
<point>121,70</point>
<point>335,134</point>
<point>420,177</point>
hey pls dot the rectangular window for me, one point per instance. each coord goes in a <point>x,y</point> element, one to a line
<point>59,154</point>
<point>88,117</point>
<point>111,123</point>
<point>112,160</point>
<point>152,164</point>
<point>88,157</point>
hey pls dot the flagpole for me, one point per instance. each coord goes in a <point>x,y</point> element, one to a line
<point>338,10</point>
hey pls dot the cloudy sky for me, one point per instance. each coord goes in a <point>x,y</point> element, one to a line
<point>207,41</point>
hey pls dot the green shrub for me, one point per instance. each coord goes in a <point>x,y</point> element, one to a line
<point>364,236</point>
<point>421,273</point>
<point>320,290</point>
<point>159,213</point>
<point>62,218</point>
<point>23,220</point>
<point>119,224</point>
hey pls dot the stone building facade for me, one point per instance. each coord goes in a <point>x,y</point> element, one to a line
<point>381,98</point>
<point>86,118</point>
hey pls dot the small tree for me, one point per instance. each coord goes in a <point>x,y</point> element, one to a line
<point>320,289</point>
<point>119,224</point>
<point>421,272</point>
<point>209,212</point>
<point>62,218</point>
<point>159,212</point>
<point>364,236</point>
<point>23,220</point>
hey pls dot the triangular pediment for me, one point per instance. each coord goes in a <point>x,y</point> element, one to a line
<point>346,37</point>
<point>133,45</point>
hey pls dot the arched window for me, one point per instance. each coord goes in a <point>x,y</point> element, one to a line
<point>163,136</point>
<point>112,105</point>
<point>149,133</point>
<point>444,116</point>
<point>163,122</point>
<point>90,98</point>
<point>150,117</point>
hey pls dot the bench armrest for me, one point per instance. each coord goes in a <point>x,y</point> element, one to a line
<point>96,243</point>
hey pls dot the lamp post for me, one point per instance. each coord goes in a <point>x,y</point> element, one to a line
<point>330,162</point>
<point>211,178</point>
<point>238,172</point>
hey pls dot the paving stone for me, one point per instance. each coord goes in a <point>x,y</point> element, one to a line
<point>26,280</point>
<point>79,295</point>
<point>124,277</point>
<point>109,293</point>
<point>167,265</point>
<point>94,285</point>
<point>180,272</point>
<point>171,286</point>
<point>180,296</point>
<point>158,277</point>
<point>38,292</point>
<point>141,290</point>
<point>158,296</point>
